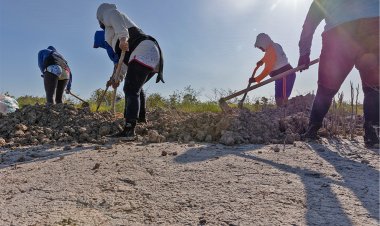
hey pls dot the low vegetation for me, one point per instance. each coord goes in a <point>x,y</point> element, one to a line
<point>188,100</point>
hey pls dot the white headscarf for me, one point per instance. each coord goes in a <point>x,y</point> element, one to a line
<point>263,41</point>
<point>102,9</point>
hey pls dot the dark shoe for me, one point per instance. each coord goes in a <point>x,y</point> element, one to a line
<point>128,132</point>
<point>311,133</point>
<point>371,135</point>
<point>142,120</point>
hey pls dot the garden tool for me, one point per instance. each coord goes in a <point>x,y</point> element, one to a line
<point>112,79</point>
<point>222,101</point>
<point>240,105</point>
<point>84,103</point>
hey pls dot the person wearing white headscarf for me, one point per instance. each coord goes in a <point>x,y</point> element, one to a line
<point>143,58</point>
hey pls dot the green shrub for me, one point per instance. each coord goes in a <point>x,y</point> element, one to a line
<point>30,100</point>
<point>155,100</point>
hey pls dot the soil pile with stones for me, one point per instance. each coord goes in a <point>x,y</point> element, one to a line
<point>60,123</point>
<point>34,125</point>
<point>267,126</point>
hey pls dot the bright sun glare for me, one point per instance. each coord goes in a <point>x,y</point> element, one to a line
<point>243,5</point>
<point>293,4</point>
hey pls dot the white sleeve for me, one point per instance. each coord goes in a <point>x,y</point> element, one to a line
<point>119,23</point>
<point>282,59</point>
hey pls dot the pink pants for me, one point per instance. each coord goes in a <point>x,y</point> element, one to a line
<point>355,43</point>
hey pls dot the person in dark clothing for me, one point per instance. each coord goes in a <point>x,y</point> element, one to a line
<point>143,58</point>
<point>56,73</point>
<point>351,38</point>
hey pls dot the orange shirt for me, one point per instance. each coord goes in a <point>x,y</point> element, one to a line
<point>269,60</point>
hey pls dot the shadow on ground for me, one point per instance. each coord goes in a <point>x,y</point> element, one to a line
<point>322,202</point>
<point>24,155</point>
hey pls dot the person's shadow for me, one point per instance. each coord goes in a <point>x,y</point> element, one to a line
<point>361,179</point>
<point>23,155</point>
<point>322,203</point>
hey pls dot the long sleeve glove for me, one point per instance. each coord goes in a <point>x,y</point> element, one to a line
<point>304,60</point>
<point>252,80</point>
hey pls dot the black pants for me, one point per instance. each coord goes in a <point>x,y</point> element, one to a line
<point>54,87</point>
<point>324,98</point>
<point>137,75</point>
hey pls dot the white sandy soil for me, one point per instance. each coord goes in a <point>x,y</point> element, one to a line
<point>326,183</point>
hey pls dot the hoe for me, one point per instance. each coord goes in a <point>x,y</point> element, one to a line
<point>227,109</point>
<point>113,77</point>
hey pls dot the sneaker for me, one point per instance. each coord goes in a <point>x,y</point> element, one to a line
<point>311,133</point>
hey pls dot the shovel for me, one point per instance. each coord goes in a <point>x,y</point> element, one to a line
<point>240,105</point>
<point>84,103</point>
<point>117,72</point>
<point>222,101</point>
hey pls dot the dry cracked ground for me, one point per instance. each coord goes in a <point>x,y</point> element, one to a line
<point>331,182</point>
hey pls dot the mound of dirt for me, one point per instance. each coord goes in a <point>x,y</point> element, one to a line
<point>59,123</point>
<point>65,124</point>
<point>242,126</point>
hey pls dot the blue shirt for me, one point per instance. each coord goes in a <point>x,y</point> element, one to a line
<point>42,55</point>
<point>99,41</point>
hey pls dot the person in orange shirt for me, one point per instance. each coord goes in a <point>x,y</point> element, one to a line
<point>276,62</point>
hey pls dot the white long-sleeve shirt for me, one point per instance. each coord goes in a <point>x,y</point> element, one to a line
<point>116,26</point>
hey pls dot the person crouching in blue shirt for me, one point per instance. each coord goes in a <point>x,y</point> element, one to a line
<point>56,73</point>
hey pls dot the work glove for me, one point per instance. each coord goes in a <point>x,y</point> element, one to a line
<point>115,84</point>
<point>259,63</point>
<point>252,80</point>
<point>304,60</point>
<point>160,78</point>
<point>109,83</point>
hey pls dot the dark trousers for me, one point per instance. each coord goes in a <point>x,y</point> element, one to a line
<point>353,44</point>
<point>137,75</point>
<point>54,88</point>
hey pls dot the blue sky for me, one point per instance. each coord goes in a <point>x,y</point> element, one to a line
<point>206,43</point>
